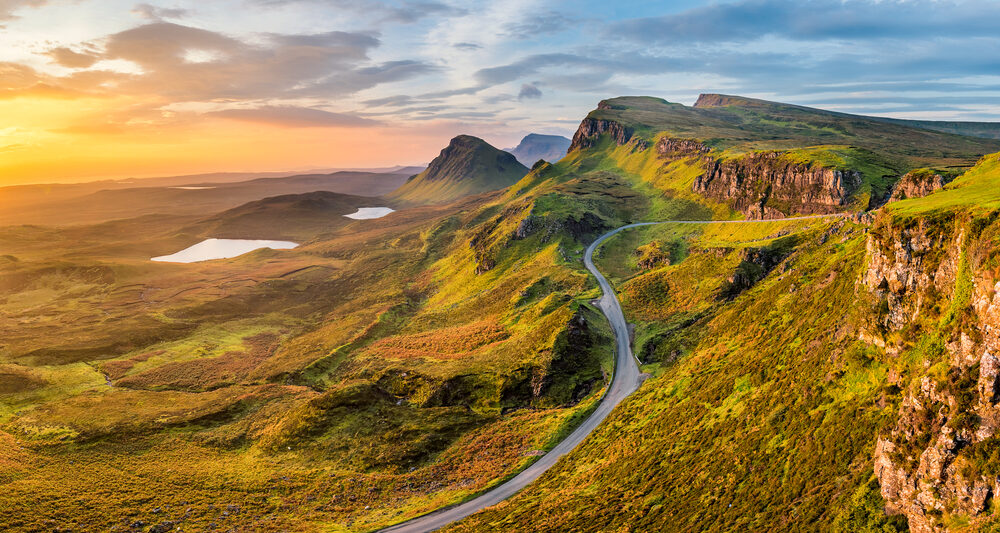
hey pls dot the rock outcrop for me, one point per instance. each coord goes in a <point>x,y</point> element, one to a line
<point>926,463</point>
<point>906,270</point>
<point>670,147</point>
<point>591,129</point>
<point>916,184</point>
<point>767,185</point>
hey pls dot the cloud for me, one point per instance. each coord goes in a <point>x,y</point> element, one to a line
<point>9,7</point>
<point>18,81</point>
<point>752,20</point>
<point>72,59</point>
<point>535,24</point>
<point>295,117</point>
<point>529,90</point>
<point>468,47</point>
<point>390,101</point>
<point>184,63</point>
<point>406,12</point>
<point>151,12</point>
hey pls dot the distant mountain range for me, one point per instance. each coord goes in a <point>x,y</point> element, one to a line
<point>535,146</point>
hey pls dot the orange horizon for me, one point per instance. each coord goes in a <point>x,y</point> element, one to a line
<point>59,140</point>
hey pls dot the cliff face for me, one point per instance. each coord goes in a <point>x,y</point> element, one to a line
<point>927,462</point>
<point>670,147</point>
<point>916,184</point>
<point>765,185</point>
<point>592,128</point>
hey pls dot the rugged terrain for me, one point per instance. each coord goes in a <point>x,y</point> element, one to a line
<point>807,375</point>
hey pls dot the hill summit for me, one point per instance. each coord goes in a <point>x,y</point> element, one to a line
<point>468,165</point>
<point>535,146</point>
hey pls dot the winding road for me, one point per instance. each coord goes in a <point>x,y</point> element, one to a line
<point>625,380</point>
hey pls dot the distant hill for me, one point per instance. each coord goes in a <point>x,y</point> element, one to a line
<point>289,216</point>
<point>535,146</point>
<point>468,165</point>
<point>32,205</point>
<point>986,130</point>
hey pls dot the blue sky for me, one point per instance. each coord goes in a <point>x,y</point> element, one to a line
<point>497,69</point>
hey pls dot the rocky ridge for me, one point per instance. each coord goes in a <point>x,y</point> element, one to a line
<point>926,463</point>
<point>916,184</point>
<point>767,185</point>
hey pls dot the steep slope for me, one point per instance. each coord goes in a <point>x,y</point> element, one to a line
<point>769,160</point>
<point>398,365</point>
<point>535,146</point>
<point>468,165</point>
<point>830,376</point>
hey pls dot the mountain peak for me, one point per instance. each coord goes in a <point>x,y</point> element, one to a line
<point>468,165</point>
<point>535,146</point>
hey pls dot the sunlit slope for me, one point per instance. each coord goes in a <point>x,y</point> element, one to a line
<point>765,159</point>
<point>978,189</point>
<point>741,124</point>
<point>389,367</point>
<point>468,165</point>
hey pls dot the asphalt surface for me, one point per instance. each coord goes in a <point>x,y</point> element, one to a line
<point>625,380</point>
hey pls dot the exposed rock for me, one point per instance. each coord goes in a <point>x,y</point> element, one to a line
<point>592,128</point>
<point>916,184</point>
<point>920,464</point>
<point>162,527</point>
<point>671,148</point>
<point>904,267</point>
<point>767,185</point>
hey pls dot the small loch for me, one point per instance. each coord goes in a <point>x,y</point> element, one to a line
<point>209,249</point>
<point>365,213</point>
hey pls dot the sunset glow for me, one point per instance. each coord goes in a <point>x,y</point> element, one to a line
<point>140,89</point>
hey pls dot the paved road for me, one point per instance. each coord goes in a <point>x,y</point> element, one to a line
<point>625,381</point>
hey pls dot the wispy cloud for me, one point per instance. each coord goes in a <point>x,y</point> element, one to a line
<point>295,117</point>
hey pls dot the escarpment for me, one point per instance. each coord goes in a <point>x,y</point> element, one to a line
<point>591,129</point>
<point>917,184</point>
<point>768,185</point>
<point>939,457</point>
<point>670,147</point>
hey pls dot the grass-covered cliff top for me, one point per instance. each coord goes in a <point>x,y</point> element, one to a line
<point>743,124</point>
<point>978,189</point>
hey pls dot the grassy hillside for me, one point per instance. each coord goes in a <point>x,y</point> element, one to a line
<point>987,130</point>
<point>389,367</point>
<point>468,165</point>
<point>741,124</point>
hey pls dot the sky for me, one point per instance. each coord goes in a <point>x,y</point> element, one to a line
<point>95,89</point>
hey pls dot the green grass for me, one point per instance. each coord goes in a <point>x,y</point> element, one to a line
<point>759,125</point>
<point>975,190</point>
